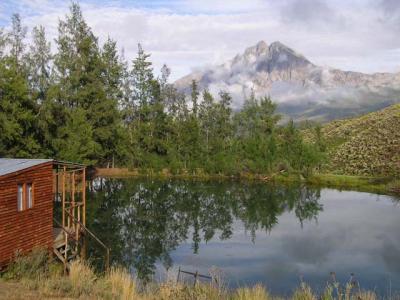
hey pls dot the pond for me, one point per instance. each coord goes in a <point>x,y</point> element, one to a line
<point>249,232</point>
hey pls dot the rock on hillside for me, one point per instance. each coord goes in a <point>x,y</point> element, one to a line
<point>301,89</point>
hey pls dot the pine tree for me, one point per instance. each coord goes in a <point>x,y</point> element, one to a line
<point>38,60</point>
<point>142,79</point>
<point>75,142</point>
<point>17,36</point>
<point>113,70</point>
<point>88,80</point>
<point>4,39</point>
<point>194,97</point>
<point>206,117</point>
<point>18,136</point>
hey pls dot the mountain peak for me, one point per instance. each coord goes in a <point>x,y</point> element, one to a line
<point>261,48</point>
<point>302,89</point>
<point>261,45</point>
<point>276,56</point>
<point>281,48</point>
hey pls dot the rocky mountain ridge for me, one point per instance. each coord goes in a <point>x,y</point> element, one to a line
<point>302,89</point>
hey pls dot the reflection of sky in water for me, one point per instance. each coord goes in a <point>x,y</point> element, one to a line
<point>355,232</point>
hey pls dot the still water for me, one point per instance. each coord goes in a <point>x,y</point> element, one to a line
<point>250,232</point>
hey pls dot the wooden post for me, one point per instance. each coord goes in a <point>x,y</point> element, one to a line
<point>57,191</point>
<point>66,252</point>
<point>74,213</point>
<point>83,247</point>
<point>63,198</point>
<point>195,277</point>
<point>78,226</point>
<point>84,196</point>
<point>108,260</point>
<point>73,194</point>
<point>179,274</point>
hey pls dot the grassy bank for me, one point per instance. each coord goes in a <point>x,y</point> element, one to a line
<point>380,185</point>
<point>34,277</point>
<point>363,145</point>
<point>359,183</point>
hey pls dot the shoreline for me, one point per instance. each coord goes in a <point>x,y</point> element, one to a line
<point>379,185</point>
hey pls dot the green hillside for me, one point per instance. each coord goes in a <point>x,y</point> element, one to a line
<point>366,145</point>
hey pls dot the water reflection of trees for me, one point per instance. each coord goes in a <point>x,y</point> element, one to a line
<point>143,221</point>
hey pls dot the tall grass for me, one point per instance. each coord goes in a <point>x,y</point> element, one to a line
<point>121,284</point>
<point>304,293</point>
<point>82,283</point>
<point>81,278</point>
<point>258,292</point>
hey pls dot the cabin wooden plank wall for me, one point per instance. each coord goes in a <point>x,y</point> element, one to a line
<point>24,230</point>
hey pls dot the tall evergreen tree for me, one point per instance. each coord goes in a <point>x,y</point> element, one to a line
<point>39,60</point>
<point>194,97</point>
<point>4,38</point>
<point>17,109</point>
<point>142,79</point>
<point>88,81</point>
<point>17,36</point>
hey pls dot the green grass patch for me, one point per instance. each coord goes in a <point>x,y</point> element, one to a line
<point>378,185</point>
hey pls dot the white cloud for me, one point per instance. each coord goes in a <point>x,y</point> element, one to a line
<point>187,34</point>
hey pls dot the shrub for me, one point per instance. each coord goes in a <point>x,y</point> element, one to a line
<point>31,266</point>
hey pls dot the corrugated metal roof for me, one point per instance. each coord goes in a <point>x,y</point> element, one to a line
<point>11,165</point>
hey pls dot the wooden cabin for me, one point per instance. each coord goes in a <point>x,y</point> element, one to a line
<point>42,204</point>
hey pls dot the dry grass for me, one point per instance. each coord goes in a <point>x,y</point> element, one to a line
<point>81,278</point>
<point>121,284</point>
<point>83,283</point>
<point>258,292</point>
<point>304,293</point>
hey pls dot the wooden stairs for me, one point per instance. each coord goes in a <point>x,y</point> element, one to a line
<point>65,247</point>
<point>69,243</point>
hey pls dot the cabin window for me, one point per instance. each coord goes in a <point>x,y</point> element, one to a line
<point>29,195</point>
<point>20,197</point>
<point>25,197</point>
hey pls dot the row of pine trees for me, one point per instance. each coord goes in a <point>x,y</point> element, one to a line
<point>84,102</point>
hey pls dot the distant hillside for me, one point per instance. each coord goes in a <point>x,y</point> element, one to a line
<point>366,145</point>
<point>301,89</point>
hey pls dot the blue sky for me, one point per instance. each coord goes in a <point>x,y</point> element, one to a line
<point>359,35</point>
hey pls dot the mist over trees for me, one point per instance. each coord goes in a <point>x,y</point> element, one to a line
<point>86,103</point>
